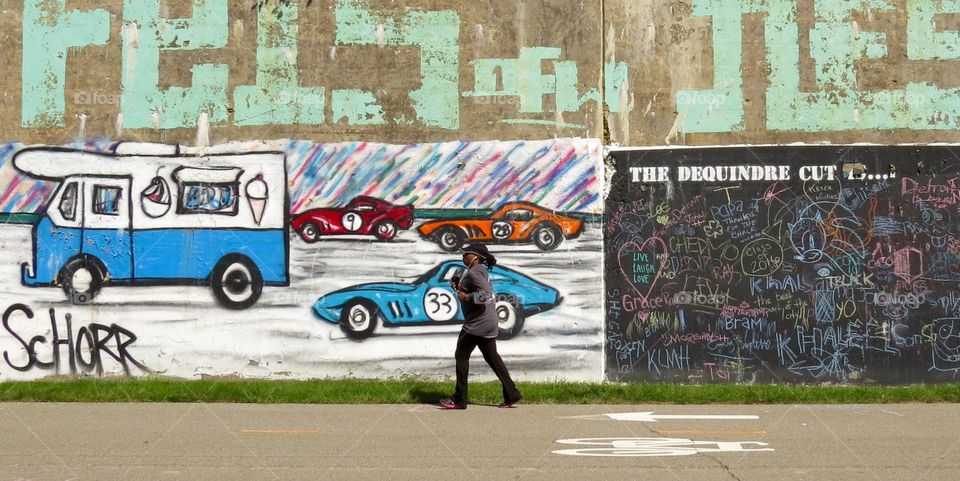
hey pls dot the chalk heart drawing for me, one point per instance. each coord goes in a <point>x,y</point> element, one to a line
<point>651,247</point>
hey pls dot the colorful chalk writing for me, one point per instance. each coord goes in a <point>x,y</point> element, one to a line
<point>798,278</point>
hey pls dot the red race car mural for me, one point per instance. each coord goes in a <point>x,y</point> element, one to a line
<point>361,216</point>
<point>511,223</point>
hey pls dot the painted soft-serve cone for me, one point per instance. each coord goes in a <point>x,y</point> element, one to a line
<point>257,196</point>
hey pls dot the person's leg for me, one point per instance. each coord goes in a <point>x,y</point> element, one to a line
<point>465,345</point>
<point>488,347</point>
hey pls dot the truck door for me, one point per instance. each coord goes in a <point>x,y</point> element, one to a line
<point>107,225</point>
<point>57,237</point>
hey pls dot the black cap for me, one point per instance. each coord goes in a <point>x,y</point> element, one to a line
<point>481,251</point>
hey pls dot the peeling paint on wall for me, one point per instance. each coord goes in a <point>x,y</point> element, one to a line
<point>49,29</point>
<point>837,44</point>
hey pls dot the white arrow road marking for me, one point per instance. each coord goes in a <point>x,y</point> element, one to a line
<point>642,447</point>
<point>649,417</point>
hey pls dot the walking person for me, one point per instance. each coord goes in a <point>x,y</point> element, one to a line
<point>480,327</point>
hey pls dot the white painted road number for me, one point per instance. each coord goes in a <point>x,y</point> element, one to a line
<point>645,447</point>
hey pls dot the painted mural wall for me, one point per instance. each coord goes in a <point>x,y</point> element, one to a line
<point>783,264</point>
<point>294,259</point>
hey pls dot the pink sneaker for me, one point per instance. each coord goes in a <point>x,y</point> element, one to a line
<point>451,404</point>
<point>509,404</point>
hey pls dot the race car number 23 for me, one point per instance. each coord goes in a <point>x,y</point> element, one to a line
<point>440,304</point>
<point>501,230</point>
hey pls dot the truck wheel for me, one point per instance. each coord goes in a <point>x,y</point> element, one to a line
<point>81,280</point>
<point>236,282</point>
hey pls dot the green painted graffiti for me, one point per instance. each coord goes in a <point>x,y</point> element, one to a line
<point>838,104</point>
<point>437,34</point>
<point>719,109</point>
<point>145,34</point>
<point>49,29</point>
<point>923,41</point>
<point>524,78</point>
<point>278,98</point>
<point>356,107</point>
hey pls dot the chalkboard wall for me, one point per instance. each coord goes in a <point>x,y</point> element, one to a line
<point>801,264</point>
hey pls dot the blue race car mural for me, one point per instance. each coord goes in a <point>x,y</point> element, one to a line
<point>429,300</point>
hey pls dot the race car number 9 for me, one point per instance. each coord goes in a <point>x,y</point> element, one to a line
<point>501,230</point>
<point>440,304</point>
<point>352,221</point>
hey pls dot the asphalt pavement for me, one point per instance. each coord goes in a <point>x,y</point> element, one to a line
<point>60,442</point>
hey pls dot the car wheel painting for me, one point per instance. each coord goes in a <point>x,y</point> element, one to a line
<point>450,239</point>
<point>509,317</point>
<point>385,230</point>
<point>310,232</point>
<point>236,282</point>
<point>81,280</point>
<point>547,237</point>
<point>358,319</point>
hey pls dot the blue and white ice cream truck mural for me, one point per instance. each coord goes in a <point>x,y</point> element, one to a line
<point>146,215</point>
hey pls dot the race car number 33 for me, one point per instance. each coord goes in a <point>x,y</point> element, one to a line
<point>440,304</point>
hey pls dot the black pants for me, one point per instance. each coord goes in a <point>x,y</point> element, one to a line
<point>488,347</point>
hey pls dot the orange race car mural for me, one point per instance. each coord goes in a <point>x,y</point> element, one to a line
<point>512,223</point>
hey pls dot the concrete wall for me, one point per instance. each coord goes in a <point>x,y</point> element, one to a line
<point>718,72</point>
<point>454,108</point>
<point>266,69</point>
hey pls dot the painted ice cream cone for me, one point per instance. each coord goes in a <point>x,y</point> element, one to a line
<point>258,206</point>
<point>155,199</point>
<point>257,196</point>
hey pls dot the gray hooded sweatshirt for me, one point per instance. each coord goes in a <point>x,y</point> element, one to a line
<point>479,310</point>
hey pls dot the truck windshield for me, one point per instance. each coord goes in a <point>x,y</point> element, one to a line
<point>68,202</point>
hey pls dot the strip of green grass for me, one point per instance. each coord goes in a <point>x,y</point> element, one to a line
<point>404,392</point>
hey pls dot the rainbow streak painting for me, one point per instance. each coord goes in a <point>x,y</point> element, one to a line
<point>558,174</point>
